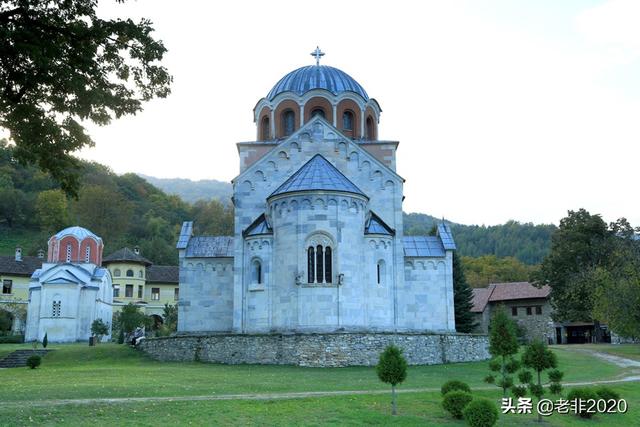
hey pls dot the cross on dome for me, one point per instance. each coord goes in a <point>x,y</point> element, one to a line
<point>317,54</point>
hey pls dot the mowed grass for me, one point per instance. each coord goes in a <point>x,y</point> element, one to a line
<point>630,351</point>
<point>112,370</point>
<point>414,409</point>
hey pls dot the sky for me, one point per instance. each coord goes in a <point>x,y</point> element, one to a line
<point>504,110</point>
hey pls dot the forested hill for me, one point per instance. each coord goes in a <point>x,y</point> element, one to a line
<point>526,242</point>
<point>192,191</point>
<point>127,210</point>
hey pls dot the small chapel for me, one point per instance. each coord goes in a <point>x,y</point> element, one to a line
<point>318,244</point>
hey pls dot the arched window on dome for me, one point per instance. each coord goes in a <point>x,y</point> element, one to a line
<point>318,112</point>
<point>129,273</point>
<point>370,129</point>
<point>87,254</point>
<point>347,120</point>
<point>256,272</point>
<point>265,129</point>
<point>288,122</point>
<point>68,252</point>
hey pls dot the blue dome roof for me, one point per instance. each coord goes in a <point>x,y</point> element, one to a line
<point>78,232</point>
<point>312,77</point>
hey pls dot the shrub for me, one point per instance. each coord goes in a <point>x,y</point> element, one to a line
<point>12,339</point>
<point>555,388</point>
<point>606,393</point>
<point>34,361</point>
<point>481,413</point>
<point>121,337</point>
<point>45,341</point>
<point>455,401</point>
<point>454,385</point>
<point>583,393</point>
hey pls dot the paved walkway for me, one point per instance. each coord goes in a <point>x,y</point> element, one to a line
<point>620,361</point>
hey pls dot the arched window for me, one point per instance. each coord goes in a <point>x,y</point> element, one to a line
<point>116,272</point>
<point>129,273</point>
<point>288,122</point>
<point>380,271</point>
<point>265,129</point>
<point>140,274</point>
<point>347,120</point>
<point>317,112</point>
<point>369,129</point>
<point>87,254</point>
<point>319,260</point>
<point>256,272</point>
<point>68,252</point>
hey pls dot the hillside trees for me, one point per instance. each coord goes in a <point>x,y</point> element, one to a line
<point>60,65</point>
<point>487,269</point>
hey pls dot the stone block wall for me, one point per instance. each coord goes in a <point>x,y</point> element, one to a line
<point>317,350</point>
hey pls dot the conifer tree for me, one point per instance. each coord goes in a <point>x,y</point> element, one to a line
<point>462,298</point>
<point>392,369</point>
<point>503,345</point>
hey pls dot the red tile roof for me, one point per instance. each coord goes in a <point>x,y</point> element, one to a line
<point>496,292</point>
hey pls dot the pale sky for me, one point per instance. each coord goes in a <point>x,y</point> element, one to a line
<point>503,109</point>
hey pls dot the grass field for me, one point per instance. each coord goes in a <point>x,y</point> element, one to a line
<point>10,238</point>
<point>109,370</point>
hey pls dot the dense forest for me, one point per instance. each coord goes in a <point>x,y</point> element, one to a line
<point>127,210</point>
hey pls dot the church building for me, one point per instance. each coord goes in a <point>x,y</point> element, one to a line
<point>318,244</point>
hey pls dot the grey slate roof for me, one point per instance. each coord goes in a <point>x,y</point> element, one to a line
<point>185,235</point>
<point>318,174</point>
<point>376,225</point>
<point>77,232</point>
<point>26,267</point>
<point>210,247</point>
<point>258,227</point>
<point>163,274</point>
<point>423,246</point>
<point>444,231</point>
<point>311,77</point>
<point>125,255</point>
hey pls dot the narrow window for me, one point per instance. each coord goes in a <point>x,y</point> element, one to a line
<point>129,273</point>
<point>256,272</point>
<point>529,311</point>
<point>266,129</point>
<point>128,291</point>
<point>87,254</point>
<point>140,291</point>
<point>176,294</point>
<point>116,291</point>
<point>56,309</point>
<point>514,311</point>
<point>370,135</point>
<point>538,309</point>
<point>328,260</point>
<point>311,265</point>
<point>288,122</point>
<point>155,294</point>
<point>318,112</point>
<point>140,274</point>
<point>319,264</point>
<point>68,253</point>
<point>347,120</point>
<point>6,286</point>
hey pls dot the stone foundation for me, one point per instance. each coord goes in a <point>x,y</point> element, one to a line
<point>317,350</point>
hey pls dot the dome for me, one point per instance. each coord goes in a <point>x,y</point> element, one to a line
<point>78,232</point>
<point>312,77</point>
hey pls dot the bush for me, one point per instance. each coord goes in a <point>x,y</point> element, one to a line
<point>583,393</point>
<point>34,361</point>
<point>455,401</point>
<point>607,394</point>
<point>12,339</point>
<point>481,413</point>
<point>121,337</point>
<point>454,385</point>
<point>555,388</point>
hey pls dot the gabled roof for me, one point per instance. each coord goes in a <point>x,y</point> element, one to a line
<point>376,225</point>
<point>125,255</point>
<point>497,292</point>
<point>318,174</point>
<point>25,267</point>
<point>444,232</point>
<point>210,247</point>
<point>423,246</point>
<point>163,274</point>
<point>258,227</point>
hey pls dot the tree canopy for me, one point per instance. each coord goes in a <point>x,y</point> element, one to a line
<point>462,298</point>
<point>61,65</point>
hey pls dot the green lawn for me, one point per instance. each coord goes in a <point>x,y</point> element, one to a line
<point>630,351</point>
<point>12,237</point>
<point>110,370</point>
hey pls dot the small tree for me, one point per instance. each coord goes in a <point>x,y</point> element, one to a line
<point>538,357</point>
<point>130,318</point>
<point>34,361</point>
<point>45,341</point>
<point>99,328</point>
<point>503,345</point>
<point>121,337</point>
<point>392,369</point>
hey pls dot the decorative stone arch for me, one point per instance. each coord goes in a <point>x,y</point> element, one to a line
<point>320,253</point>
<point>344,106</point>
<point>318,102</point>
<point>281,108</point>
<point>256,271</point>
<point>264,124</point>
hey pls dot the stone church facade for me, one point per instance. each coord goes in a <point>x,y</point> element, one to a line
<point>318,244</point>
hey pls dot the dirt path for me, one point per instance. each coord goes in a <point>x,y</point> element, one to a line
<point>619,361</point>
